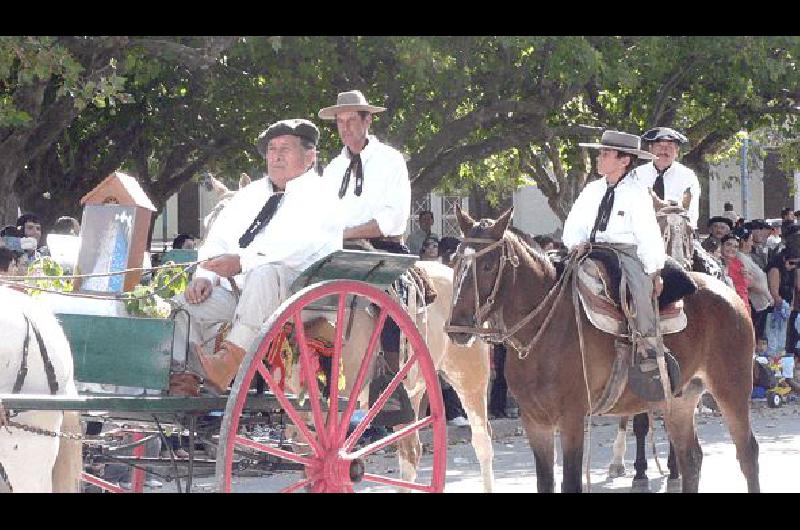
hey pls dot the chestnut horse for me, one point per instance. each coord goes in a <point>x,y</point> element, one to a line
<point>506,282</point>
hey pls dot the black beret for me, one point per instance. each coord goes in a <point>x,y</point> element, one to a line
<point>720,219</point>
<point>757,224</point>
<point>741,233</point>
<point>301,128</point>
<point>657,134</point>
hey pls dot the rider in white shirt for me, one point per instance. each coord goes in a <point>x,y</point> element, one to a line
<point>675,178</point>
<point>265,237</point>
<point>617,211</point>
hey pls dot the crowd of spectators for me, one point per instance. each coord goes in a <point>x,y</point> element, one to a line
<point>760,260</point>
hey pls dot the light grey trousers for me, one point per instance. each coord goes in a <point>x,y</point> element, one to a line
<point>640,287</point>
<point>265,288</point>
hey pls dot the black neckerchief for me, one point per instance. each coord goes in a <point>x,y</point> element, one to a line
<point>263,218</point>
<point>604,211</point>
<point>355,163</point>
<point>658,187</point>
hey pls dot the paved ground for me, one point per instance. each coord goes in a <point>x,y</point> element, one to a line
<point>777,432</point>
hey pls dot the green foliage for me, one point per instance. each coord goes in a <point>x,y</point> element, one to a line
<point>46,266</point>
<point>151,300</point>
<point>466,109</point>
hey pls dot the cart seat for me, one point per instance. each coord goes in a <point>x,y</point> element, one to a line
<point>377,268</point>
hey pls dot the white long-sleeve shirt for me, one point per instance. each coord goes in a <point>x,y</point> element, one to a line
<point>306,227</point>
<point>632,221</point>
<point>677,178</point>
<point>386,190</point>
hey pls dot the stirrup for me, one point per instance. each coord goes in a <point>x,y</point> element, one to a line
<point>644,377</point>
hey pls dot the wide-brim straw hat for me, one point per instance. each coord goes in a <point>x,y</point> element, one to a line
<point>352,101</point>
<point>620,141</point>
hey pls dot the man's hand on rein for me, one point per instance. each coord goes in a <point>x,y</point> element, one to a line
<point>226,265</point>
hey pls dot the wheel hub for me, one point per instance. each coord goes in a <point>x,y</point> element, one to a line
<point>333,472</point>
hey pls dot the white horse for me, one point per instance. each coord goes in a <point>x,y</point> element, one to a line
<point>465,368</point>
<point>33,462</point>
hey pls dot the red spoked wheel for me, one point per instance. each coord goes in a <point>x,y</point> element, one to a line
<point>330,457</point>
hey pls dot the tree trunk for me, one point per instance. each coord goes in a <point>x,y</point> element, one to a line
<point>9,204</point>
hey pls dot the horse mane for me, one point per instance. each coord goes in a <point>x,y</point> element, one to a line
<point>536,254</point>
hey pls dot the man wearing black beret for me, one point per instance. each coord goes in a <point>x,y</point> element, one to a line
<point>269,232</point>
<point>670,180</point>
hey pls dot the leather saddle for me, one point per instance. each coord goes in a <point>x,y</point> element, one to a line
<point>599,293</point>
<point>598,290</point>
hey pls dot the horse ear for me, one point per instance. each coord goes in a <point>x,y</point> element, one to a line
<point>464,220</point>
<point>687,198</point>
<point>501,224</point>
<point>244,180</point>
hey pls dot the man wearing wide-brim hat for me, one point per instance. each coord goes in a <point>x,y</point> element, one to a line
<point>368,178</point>
<point>670,180</point>
<point>617,211</point>
<point>719,226</point>
<point>269,233</point>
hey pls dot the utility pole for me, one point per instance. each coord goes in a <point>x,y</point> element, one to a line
<point>744,176</point>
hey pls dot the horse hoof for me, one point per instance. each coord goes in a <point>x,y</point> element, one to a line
<point>640,485</point>
<point>674,485</point>
<point>616,470</point>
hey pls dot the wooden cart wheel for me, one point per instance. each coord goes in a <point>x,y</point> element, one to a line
<point>331,461</point>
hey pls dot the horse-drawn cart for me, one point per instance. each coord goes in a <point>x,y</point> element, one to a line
<point>310,407</point>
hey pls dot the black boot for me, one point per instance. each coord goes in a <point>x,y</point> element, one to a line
<point>644,377</point>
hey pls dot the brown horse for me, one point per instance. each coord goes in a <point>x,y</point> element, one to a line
<point>505,281</point>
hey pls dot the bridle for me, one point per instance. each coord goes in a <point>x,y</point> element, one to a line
<point>504,333</point>
<point>465,261</point>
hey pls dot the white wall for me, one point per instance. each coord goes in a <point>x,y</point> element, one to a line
<point>533,215</point>
<point>725,185</point>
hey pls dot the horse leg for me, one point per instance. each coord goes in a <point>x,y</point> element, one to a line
<point>617,466</point>
<point>409,448</point>
<point>682,434</point>
<point>735,409</point>
<point>674,479</point>
<point>69,462</point>
<point>572,453</point>
<point>641,426</point>
<point>471,383</point>
<point>542,441</point>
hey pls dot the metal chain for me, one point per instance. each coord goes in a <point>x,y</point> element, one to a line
<point>42,432</point>
<point>6,422</point>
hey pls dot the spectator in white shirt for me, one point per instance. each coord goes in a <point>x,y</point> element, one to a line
<point>270,232</point>
<point>618,211</point>
<point>669,179</point>
<point>369,177</point>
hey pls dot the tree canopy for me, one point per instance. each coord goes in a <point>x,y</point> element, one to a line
<point>471,113</point>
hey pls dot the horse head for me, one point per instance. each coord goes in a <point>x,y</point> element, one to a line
<point>678,235</point>
<point>479,274</point>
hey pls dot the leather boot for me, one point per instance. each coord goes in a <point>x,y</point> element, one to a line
<point>221,367</point>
